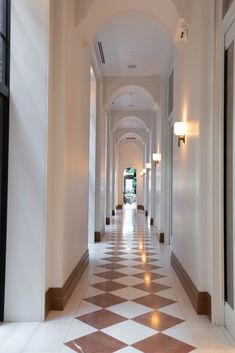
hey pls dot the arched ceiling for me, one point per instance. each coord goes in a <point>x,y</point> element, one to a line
<point>83,7</point>
<point>134,44</point>
<point>131,122</point>
<point>131,101</point>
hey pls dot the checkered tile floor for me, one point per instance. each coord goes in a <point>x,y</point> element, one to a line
<point>129,306</point>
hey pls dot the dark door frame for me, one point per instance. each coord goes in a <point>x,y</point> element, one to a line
<point>4,147</point>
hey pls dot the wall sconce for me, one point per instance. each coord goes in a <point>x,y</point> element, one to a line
<point>148,166</point>
<point>157,157</point>
<point>180,131</point>
<point>141,173</point>
<point>144,171</point>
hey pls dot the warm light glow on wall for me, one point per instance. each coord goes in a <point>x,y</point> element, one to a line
<point>141,246</point>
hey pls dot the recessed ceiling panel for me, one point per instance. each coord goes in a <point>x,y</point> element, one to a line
<point>134,44</point>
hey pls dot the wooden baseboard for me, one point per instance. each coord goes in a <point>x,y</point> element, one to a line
<point>119,207</point>
<point>140,207</point>
<point>161,238</point>
<point>108,222</point>
<point>113,213</point>
<point>99,235</point>
<point>151,221</point>
<point>201,301</point>
<point>57,298</point>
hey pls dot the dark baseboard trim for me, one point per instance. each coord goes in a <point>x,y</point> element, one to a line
<point>108,221</point>
<point>146,213</point>
<point>161,238</point>
<point>140,207</point>
<point>151,221</point>
<point>57,298</point>
<point>99,235</point>
<point>201,301</point>
<point>113,213</point>
<point>119,207</point>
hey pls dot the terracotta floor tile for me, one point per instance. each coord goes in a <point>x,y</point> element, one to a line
<point>115,253</point>
<point>147,267</point>
<point>153,301</point>
<point>101,319</point>
<point>96,342</point>
<point>105,300</point>
<point>161,343</point>
<point>151,287</point>
<point>113,258</point>
<point>158,321</point>
<point>110,275</point>
<point>109,286</point>
<point>148,276</point>
<point>112,266</point>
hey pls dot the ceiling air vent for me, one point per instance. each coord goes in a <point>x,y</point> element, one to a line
<point>101,52</point>
<point>131,138</point>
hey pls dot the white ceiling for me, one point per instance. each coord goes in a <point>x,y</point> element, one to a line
<point>133,39</point>
<point>131,101</point>
<point>130,123</point>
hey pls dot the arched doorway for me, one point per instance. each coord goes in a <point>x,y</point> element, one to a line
<point>129,187</point>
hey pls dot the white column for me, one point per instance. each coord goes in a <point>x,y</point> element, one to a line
<point>25,258</point>
<point>114,174</point>
<point>109,171</point>
<point>153,169</point>
<point>101,142</point>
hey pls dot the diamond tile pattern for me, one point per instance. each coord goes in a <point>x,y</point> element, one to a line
<point>126,309</point>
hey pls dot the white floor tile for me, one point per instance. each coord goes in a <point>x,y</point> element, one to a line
<point>77,330</point>
<point>87,308</point>
<point>14,336</point>
<point>173,310</point>
<point>167,293</point>
<point>130,293</point>
<point>210,338</point>
<point>129,271</point>
<point>92,292</point>
<point>129,332</point>
<point>181,332</point>
<point>129,280</point>
<point>129,310</point>
<point>96,280</point>
<point>48,336</point>
<point>128,350</point>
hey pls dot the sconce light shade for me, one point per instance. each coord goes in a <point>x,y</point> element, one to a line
<point>157,157</point>
<point>144,171</point>
<point>180,130</point>
<point>148,166</point>
<point>141,173</point>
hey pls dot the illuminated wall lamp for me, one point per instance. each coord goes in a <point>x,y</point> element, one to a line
<point>141,173</point>
<point>180,131</point>
<point>148,166</point>
<point>157,157</point>
<point>144,171</point>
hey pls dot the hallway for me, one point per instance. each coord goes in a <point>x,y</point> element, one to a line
<point>132,302</point>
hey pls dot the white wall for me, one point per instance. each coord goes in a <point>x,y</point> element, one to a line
<point>190,196</point>
<point>25,262</point>
<point>130,155</point>
<point>67,228</point>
